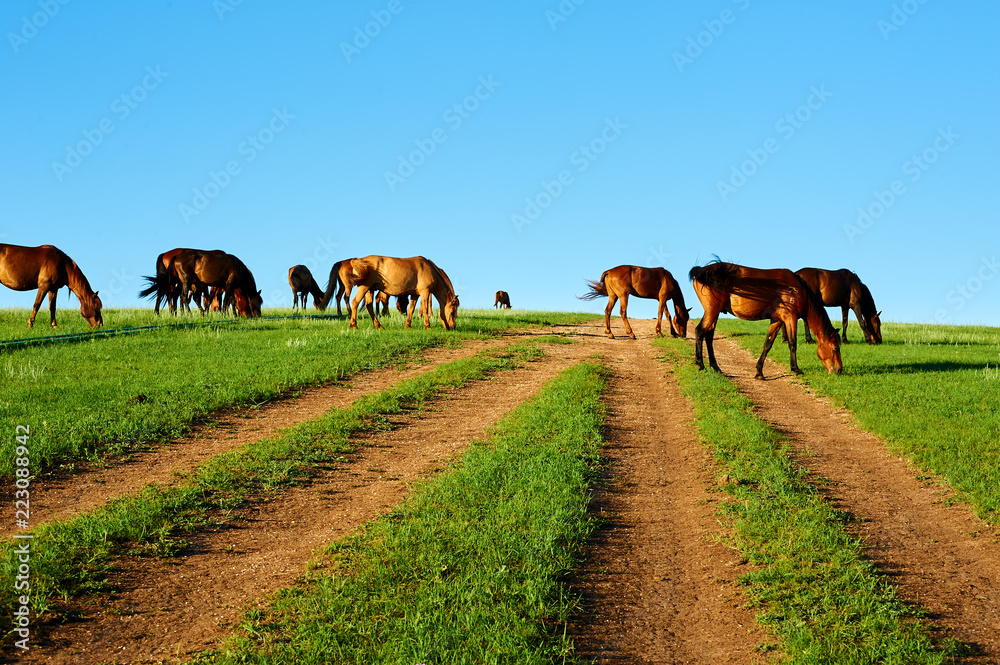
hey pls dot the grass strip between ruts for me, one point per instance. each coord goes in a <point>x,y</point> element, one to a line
<point>72,557</point>
<point>468,569</point>
<point>810,580</point>
<point>929,391</point>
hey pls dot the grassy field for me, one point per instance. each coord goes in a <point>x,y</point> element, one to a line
<point>72,557</point>
<point>85,400</point>
<point>810,581</point>
<point>930,391</point>
<point>467,570</point>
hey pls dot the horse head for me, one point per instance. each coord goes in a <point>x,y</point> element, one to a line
<point>90,309</point>
<point>451,312</point>
<point>828,352</point>
<point>875,328</point>
<point>681,317</point>
<point>255,304</point>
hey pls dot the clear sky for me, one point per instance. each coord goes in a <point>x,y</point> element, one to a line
<point>523,146</point>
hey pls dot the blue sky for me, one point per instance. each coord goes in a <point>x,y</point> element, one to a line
<point>523,146</point>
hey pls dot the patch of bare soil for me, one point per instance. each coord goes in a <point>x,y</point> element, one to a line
<point>656,586</point>
<point>166,609</point>
<point>64,496</point>
<point>939,555</point>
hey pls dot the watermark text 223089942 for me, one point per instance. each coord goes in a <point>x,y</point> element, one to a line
<point>22,581</point>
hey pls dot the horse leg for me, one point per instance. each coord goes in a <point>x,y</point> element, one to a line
<point>425,307</point>
<point>699,336</point>
<point>370,305</point>
<point>845,310</point>
<point>409,310</point>
<point>772,333</point>
<point>623,310</point>
<point>612,299</point>
<point>354,307</point>
<point>660,311</point>
<point>52,307</point>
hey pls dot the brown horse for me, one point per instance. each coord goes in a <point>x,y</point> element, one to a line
<point>502,299</point>
<point>655,283</point>
<point>414,276</point>
<point>48,269</point>
<point>165,284</point>
<point>301,281</point>
<point>198,270</point>
<point>842,288</point>
<point>753,295</point>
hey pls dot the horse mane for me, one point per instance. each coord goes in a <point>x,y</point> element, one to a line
<point>816,304</point>
<point>678,295</point>
<point>444,276</point>
<point>75,278</point>
<point>866,300</point>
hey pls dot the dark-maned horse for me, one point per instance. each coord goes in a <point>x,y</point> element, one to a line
<point>302,282</point>
<point>48,269</point>
<point>753,294</point>
<point>416,277</point>
<point>203,269</point>
<point>502,300</point>
<point>655,283</point>
<point>165,285</point>
<point>842,288</point>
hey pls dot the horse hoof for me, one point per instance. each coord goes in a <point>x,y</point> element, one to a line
<point>631,335</point>
<point>844,341</point>
<point>760,377</point>
<point>660,334</point>
<point>798,372</point>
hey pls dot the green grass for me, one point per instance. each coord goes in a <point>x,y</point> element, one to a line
<point>88,400</point>
<point>468,569</point>
<point>810,580</point>
<point>73,557</point>
<point>930,391</point>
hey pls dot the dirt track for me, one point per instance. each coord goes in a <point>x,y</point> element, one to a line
<point>656,586</point>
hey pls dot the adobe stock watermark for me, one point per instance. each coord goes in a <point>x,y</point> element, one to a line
<point>786,126</point>
<point>22,541</point>
<point>966,291</point>
<point>582,159</point>
<point>122,107</point>
<point>223,7</point>
<point>698,43</point>
<point>562,13</point>
<point>30,25</point>
<point>454,116</point>
<point>364,34</point>
<point>901,13</point>
<point>119,282</point>
<point>248,149</point>
<point>914,168</point>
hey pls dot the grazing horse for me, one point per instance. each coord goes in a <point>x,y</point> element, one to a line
<point>656,283</point>
<point>842,288</point>
<point>753,295</point>
<point>414,276</point>
<point>48,269</point>
<point>502,299</point>
<point>165,284</point>
<point>202,269</point>
<point>301,281</point>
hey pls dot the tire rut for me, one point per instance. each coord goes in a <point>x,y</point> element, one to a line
<point>171,608</point>
<point>940,556</point>
<point>656,586</point>
<point>65,496</point>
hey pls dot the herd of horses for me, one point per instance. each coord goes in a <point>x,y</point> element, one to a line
<point>216,280</point>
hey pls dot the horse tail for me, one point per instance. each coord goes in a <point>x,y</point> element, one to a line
<point>155,284</point>
<point>716,275</point>
<point>331,284</point>
<point>597,288</point>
